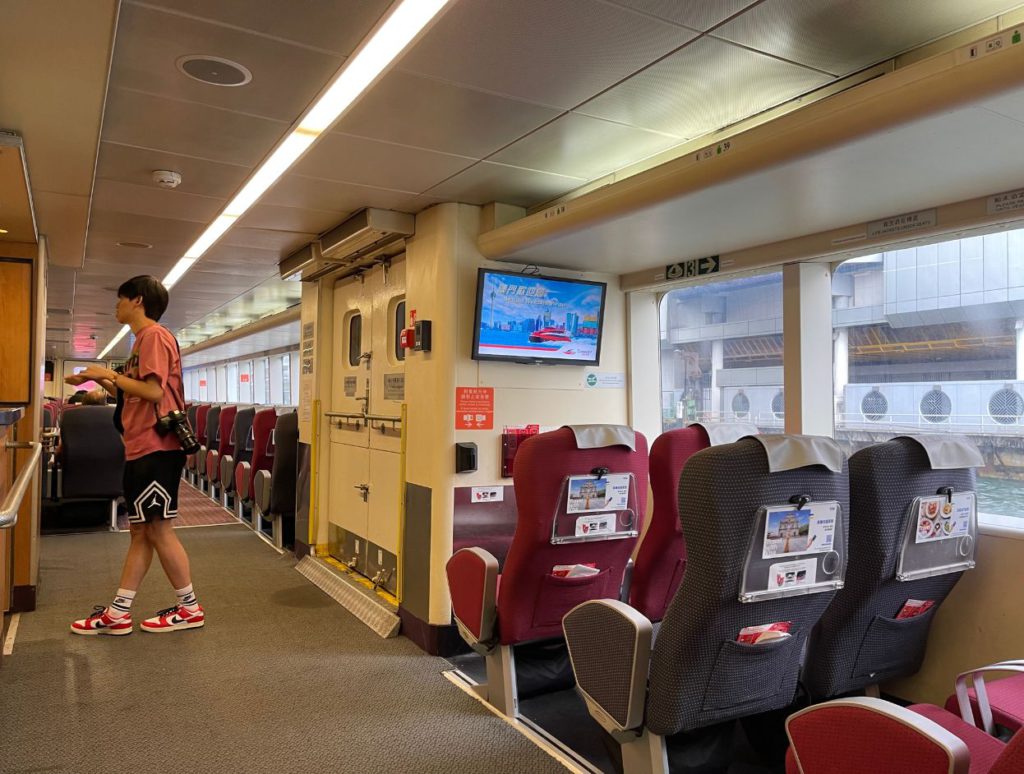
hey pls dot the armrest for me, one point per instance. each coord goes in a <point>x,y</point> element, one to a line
<point>977,679</point>
<point>261,490</point>
<point>473,585</point>
<point>610,649</point>
<point>242,480</point>
<point>227,465</point>
<point>816,745</point>
<point>201,461</point>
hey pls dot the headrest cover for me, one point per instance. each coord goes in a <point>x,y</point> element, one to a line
<point>948,451</point>
<point>726,432</point>
<point>788,452</point>
<point>599,436</point>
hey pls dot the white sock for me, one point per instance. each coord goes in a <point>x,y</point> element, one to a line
<point>122,604</point>
<point>187,598</point>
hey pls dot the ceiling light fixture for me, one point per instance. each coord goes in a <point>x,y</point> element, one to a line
<point>3,231</point>
<point>397,30</point>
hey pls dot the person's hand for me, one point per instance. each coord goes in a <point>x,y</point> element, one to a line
<point>95,373</point>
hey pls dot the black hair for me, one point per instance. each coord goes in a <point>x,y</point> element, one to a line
<point>154,294</point>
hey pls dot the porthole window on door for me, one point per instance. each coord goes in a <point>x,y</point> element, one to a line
<point>355,339</point>
<point>397,329</point>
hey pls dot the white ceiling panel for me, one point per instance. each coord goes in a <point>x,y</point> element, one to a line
<point>316,193</point>
<point>285,78</point>
<point>188,128</point>
<point>107,227</point>
<point>580,146</point>
<point>128,164</point>
<point>266,239</point>
<point>366,162</point>
<point>330,26</point>
<point>230,255</point>
<point>696,14</point>
<point>842,36</point>
<point>551,53</point>
<point>704,87</point>
<point>295,219</point>
<point>157,202</point>
<point>946,158</point>
<point>426,113</point>
<point>489,182</point>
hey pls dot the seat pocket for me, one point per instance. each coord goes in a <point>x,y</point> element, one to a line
<point>557,596</point>
<point>893,646</point>
<point>748,674</point>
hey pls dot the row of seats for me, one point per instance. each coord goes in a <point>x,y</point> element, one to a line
<point>696,674</point>
<point>247,461</point>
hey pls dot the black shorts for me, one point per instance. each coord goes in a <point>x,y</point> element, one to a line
<point>151,486</point>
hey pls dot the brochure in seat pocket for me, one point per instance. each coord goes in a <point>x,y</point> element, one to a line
<point>912,608</point>
<point>574,570</point>
<point>752,635</point>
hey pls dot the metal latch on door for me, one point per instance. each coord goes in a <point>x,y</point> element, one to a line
<point>364,491</point>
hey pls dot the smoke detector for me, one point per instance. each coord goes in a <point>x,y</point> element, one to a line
<point>165,178</point>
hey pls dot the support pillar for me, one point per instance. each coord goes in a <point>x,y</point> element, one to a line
<point>840,364</point>
<point>1020,350</point>
<point>807,328</point>
<point>717,362</point>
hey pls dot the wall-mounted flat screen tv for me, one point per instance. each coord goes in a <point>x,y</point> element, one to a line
<point>528,318</point>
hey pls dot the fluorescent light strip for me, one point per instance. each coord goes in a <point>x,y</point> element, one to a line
<point>401,27</point>
<point>387,43</point>
<point>120,335</point>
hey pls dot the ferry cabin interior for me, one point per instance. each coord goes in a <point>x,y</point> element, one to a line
<point>657,365</point>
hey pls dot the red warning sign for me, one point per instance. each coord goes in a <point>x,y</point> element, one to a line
<point>474,408</point>
<point>244,378</point>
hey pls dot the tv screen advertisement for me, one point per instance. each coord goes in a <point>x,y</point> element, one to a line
<point>534,319</point>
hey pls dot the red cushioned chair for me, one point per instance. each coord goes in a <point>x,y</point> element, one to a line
<point>862,734</point>
<point>225,446</point>
<point>661,560</point>
<point>1001,701</point>
<point>262,459</point>
<point>527,602</point>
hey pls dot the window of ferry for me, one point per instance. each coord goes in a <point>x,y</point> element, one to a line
<point>286,380</point>
<point>355,339</point>
<point>398,328</point>
<point>246,372</point>
<point>262,395</point>
<point>233,377</point>
<point>721,353</point>
<point>931,339</point>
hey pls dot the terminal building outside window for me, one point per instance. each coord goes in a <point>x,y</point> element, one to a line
<point>925,339</point>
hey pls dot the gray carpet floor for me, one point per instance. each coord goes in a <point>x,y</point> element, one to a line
<point>281,679</point>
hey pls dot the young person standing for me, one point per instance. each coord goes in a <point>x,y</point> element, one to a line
<point>150,387</point>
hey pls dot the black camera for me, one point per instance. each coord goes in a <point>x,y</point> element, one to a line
<point>177,422</point>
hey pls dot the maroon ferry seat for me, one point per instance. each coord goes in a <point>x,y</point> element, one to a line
<point>854,735</point>
<point>1002,700</point>
<point>262,457</point>
<point>527,602</point>
<point>225,446</point>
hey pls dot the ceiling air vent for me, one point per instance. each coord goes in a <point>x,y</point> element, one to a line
<point>367,236</point>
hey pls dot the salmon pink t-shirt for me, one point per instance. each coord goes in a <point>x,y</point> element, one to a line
<point>155,354</point>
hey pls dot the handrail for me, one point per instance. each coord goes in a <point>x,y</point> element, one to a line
<point>12,502</point>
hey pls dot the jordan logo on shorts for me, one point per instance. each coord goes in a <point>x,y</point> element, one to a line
<point>154,501</point>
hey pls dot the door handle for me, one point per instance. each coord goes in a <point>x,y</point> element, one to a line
<point>364,490</point>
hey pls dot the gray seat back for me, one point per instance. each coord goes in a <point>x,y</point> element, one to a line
<point>92,458</point>
<point>700,674</point>
<point>860,641</point>
<point>282,481</point>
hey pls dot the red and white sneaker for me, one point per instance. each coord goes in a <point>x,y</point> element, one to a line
<point>101,623</point>
<point>174,618</point>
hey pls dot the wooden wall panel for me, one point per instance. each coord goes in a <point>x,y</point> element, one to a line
<point>16,324</point>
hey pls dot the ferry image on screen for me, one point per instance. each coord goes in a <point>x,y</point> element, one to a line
<point>539,318</point>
